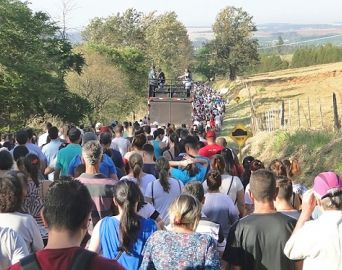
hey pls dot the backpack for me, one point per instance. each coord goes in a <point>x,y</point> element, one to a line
<point>80,261</point>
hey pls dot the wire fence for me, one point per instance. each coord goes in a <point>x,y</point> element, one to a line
<point>289,114</point>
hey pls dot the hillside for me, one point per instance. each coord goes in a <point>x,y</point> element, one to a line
<point>317,147</point>
<point>315,84</point>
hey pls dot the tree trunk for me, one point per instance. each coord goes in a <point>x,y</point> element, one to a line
<point>232,73</point>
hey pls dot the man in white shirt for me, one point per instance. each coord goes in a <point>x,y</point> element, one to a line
<point>119,142</point>
<point>50,150</point>
<point>43,138</point>
<point>318,241</point>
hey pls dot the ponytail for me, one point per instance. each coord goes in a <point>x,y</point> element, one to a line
<point>136,163</point>
<point>136,171</point>
<point>163,167</point>
<point>126,194</point>
<point>129,226</point>
<point>218,163</point>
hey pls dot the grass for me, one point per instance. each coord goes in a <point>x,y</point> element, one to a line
<point>317,151</point>
<point>316,146</point>
<point>311,86</point>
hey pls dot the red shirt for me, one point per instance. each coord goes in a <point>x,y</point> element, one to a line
<point>210,150</point>
<point>61,259</point>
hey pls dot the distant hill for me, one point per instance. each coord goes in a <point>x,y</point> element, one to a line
<point>268,34</point>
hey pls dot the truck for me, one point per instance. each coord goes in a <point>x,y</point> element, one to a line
<point>171,103</point>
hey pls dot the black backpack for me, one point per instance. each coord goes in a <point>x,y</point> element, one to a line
<point>81,261</point>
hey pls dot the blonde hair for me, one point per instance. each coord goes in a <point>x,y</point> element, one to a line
<point>185,211</point>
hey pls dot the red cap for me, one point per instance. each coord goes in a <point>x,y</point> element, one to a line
<point>211,134</point>
<point>104,129</point>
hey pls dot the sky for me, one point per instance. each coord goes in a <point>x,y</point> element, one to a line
<point>197,12</point>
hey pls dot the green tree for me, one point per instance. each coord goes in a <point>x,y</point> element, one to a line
<point>168,43</point>
<point>101,83</point>
<point>119,30</point>
<point>204,62</point>
<point>33,63</point>
<point>233,40</point>
<point>280,44</point>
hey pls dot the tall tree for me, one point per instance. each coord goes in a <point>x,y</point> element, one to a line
<point>168,43</point>
<point>33,63</point>
<point>233,40</point>
<point>101,83</point>
<point>120,30</point>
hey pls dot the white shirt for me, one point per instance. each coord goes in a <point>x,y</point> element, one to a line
<point>227,185</point>
<point>121,144</point>
<point>318,242</point>
<point>248,199</point>
<point>146,211</point>
<point>161,199</point>
<point>12,248</point>
<point>142,182</point>
<point>26,227</point>
<point>42,139</point>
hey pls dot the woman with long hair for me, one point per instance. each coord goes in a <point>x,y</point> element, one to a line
<point>182,247</point>
<point>246,174</point>
<point>162,192</point>
<point>219,207</point>
<point>249,203</point>
<point>231,185</point>
<point>12,192</point>
<point>174,149</point>
<point>136,173</point>
<point>36,190</point>
<point>292,171</point>
<point>123,237</point>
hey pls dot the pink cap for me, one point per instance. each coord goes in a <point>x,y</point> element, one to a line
<point>326,181</point>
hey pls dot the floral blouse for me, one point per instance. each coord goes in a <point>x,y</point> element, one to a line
<point>171,250</point>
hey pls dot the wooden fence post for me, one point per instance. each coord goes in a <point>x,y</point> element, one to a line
<point>289,120</point>
<point>298,113</point>
<point>309,112</point>
<point>320,112</point>
<point>337,124</point>
<point>282,119</point>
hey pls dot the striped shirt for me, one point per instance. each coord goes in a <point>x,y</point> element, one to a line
<point>101,191</point>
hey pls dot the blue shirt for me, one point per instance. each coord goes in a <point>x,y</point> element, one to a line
<point>107,167</point>
<point>157,149</point>
<point>110,241</point>
<point>34,149</point>
<point>183,175</point>
<point>50,151</point>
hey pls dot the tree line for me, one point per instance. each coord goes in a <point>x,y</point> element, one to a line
<point>105,77</point>
<point>302,57</point>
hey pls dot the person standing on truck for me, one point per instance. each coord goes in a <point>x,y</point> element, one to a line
<point>161,78</point>
<point>152,81</point>
<point>187,81</point>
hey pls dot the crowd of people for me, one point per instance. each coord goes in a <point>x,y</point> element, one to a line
<point>146,196</point>
<point>208,107</point>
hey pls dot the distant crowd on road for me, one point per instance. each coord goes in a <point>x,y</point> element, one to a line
<point>149,196</point>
